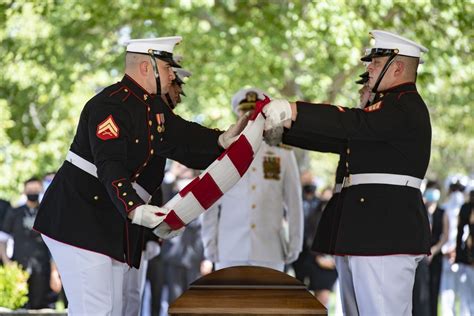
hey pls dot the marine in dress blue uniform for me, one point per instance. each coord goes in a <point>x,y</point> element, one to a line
<point>112,172</point>
<point>378,226</point>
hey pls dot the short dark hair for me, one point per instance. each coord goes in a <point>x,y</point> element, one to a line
<point>457,186</point>
<point>433,184</point>
<point>32,179</point>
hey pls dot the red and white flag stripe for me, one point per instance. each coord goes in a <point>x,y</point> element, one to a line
<point>206,189</point>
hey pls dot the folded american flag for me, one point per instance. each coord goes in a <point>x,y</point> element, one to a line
<point>206,189</point>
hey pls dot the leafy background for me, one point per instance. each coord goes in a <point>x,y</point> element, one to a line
<point>56,54</point>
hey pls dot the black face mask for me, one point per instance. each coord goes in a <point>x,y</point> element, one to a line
<point>32,197</point>
<point>308,188</point>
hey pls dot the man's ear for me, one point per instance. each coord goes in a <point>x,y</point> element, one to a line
<point>399,68</point>
<point>144,67</point>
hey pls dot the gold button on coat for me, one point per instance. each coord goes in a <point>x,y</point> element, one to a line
<point>130,203</point>
<point>96,197</point>
<point>253,226</point>
<point>362,200</point>
<point>119,184</point>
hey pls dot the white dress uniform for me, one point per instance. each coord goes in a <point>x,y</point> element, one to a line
<point>245,226</point>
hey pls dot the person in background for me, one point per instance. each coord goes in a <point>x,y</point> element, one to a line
<point>428,273</point>
<point>450,272</point>
<point>47,179</point>
<point>30,251</point>
<point>182,255</point>
<point>247,226</point>
<point>439,235</point>
<point>324,274</point>
<point>304,264</point>
<point>316,270</point>
<point>4,208</point>
<point>465,256</point>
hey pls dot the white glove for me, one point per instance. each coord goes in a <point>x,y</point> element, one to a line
<point>164,231</point>
<point>276,112</point>
<point>149,215</point>
<point>232,133</point>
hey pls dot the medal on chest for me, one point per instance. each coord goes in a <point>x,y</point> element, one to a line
<point>160,119</point>
<point>271,167</point>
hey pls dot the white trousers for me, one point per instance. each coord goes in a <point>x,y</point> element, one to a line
<point>95,284</point>
<point>377,285</point>
<point>449,287</point>
<point>272,265</point>
<point>133,287</point>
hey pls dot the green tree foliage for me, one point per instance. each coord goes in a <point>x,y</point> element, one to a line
<point>56,54</point>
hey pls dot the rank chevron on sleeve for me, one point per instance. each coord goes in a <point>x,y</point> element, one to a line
<point>108,129</point>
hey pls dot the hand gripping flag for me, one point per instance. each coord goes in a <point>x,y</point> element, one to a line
<point>206,189</point>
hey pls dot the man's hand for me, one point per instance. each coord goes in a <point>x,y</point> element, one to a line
<point>148,215</point>
<point>277,112</point>
<point>233,132</point>
<point>325,262</point>
<point>206,267</point>
<point>452,256</point>
<point>55,279</point>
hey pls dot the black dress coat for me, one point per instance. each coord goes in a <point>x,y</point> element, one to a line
<point>392,136</point>
<point>127,134</point>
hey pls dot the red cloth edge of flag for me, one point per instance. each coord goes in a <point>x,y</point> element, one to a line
<point>207,192</point>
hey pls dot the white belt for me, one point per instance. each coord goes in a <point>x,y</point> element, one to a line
<point>378,178</point>
<point>91,169</point>
<point>382,178</point>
